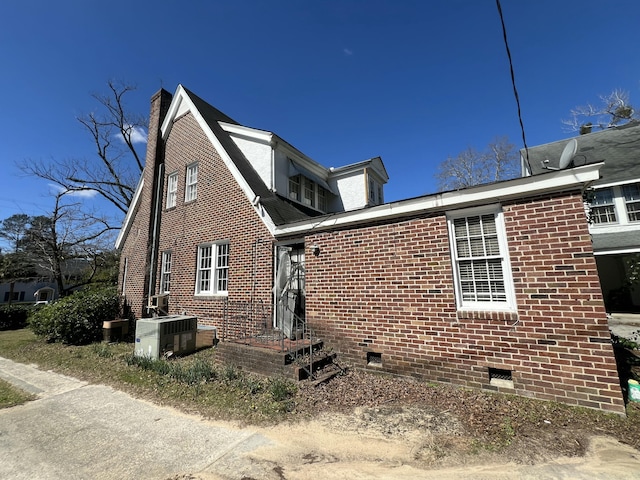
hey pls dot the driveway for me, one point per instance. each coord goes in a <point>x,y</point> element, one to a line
<point>80,431</point>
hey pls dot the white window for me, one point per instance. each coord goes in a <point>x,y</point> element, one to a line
<point>481,265</point>
<point>309,192</point>
<point>213,269</point>
<point>294,187</point>
<point>172,190</point>
<point>124,276</point>
<point>632,201</point>
<point>165,272</point>
<point>322,199</point>
<point>191,185</point>
<point>603,209</point>
<point>375,192</point>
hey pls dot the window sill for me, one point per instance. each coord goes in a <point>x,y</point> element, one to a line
<point>210,296</point>
<point>477,314</point>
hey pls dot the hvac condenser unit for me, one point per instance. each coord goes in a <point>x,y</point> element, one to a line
<point>158,336</point>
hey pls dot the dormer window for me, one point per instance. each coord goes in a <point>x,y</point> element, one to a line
<point>375,192</point>
<point>294,188</point>
<point>309,192</point>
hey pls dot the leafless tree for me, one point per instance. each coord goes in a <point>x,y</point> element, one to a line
<point>68,244</point>
<point>499,161</point>
<point>614,109</point>
<point>114,172</point>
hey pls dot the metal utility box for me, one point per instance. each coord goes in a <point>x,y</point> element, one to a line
<point>159,336</point>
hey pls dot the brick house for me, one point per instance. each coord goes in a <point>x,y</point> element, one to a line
<point>491,287</point>
<point>614,203</point>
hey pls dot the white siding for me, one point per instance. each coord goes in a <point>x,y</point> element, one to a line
<point>258,154</point>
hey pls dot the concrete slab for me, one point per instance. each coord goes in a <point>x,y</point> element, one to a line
<point>625,325</point>
<point>80,431</point>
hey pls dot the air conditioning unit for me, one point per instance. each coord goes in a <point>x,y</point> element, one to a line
<point>158,303</point>
<point>160,336</point>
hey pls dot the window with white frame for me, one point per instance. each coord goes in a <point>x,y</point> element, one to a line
<point>191,184</point>
<point>322,199</point>
<point>602,205</point>
<point>481,266</point>
<point>172,189</point>
<point>631,194</point>
<point>309,192</point>
<point>165,272</point>
<point>212,275</point>
<point>375,192</point>
<point>294,187</point>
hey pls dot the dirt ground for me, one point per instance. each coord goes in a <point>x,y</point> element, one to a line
<point>366,426</point>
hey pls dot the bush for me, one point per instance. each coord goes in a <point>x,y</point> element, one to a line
<point>77,319</point>
<point>14,317</point>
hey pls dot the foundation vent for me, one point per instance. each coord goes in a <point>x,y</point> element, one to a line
<point>374,359</point>
<point>499,377</point>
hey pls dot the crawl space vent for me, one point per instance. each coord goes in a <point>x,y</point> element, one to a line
<point>374,359</point>
<point>499,377</point>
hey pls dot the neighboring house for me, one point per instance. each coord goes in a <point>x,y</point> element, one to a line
<point>35,290</point>
<point>493,287</point>
<point>614,203</point>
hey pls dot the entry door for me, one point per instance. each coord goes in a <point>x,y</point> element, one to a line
<point>290,290</point>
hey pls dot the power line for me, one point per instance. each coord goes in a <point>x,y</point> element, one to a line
<point>513,82</point>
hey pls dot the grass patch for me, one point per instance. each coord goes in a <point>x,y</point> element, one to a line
<point>194,383</point>
<point>11,396</point>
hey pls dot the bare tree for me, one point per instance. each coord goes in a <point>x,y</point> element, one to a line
<point>614,109</point>
<point>471,167</point>
<point>115,170</point>
<point>68,245</point>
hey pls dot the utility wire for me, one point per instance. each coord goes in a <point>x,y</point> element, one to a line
<point>513,82</point>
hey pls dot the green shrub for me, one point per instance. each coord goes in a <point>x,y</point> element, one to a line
<point>14,317</point>
<point>76,319</point>
<point>281,389</point>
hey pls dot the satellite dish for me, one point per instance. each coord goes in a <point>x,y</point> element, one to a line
<point>568,153</point>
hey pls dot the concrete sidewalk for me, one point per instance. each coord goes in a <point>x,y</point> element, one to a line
<point>80,431</point>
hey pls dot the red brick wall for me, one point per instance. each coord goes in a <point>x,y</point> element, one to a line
<point>388,289</point>
<point>221,212</point>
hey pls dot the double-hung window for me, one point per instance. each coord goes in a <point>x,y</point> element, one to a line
<point>631,194</point>
<point>172,190</point>
<point>191,184</point>
<point>212,275</point>
<point>165,272</point>
<point>602,206</point>
<point>481,265</point>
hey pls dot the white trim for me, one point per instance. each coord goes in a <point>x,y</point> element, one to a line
<point>616,184</point>
<point>213,269</point>
<point>126,224</point>
<point>172,176</point>
<point>509,305</point>
<point>555,181</point>
<point>182,97</point>
<point>617,252</point>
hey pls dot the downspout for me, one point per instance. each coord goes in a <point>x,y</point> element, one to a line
<point>273,166</point>
<point>154,234</point>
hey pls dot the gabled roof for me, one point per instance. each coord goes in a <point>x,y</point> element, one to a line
<point>278,208</point>
<point>618,147</point>
<point>375,162</point>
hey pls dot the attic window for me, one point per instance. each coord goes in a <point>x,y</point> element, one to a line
<point>294,187</point>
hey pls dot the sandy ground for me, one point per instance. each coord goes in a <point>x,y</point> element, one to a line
<point>359,447</point>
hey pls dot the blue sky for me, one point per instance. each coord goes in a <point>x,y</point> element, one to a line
<point>414,81</point>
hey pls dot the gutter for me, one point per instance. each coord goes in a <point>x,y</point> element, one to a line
<point>554,181</point>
